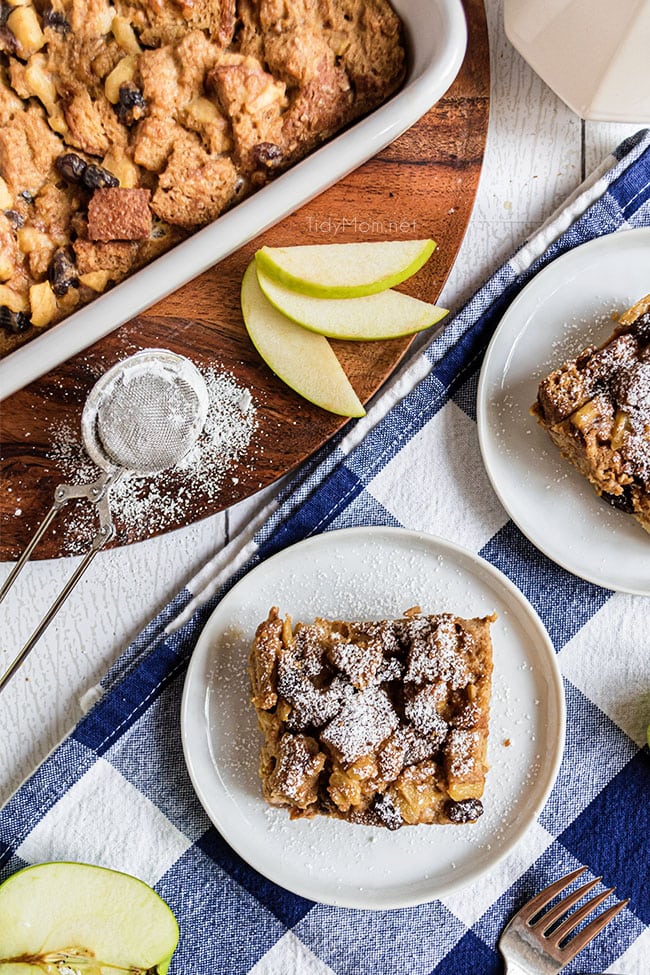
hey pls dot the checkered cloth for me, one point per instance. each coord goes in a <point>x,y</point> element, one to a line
<point>116,791</point>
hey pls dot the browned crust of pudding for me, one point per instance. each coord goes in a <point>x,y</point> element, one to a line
<point>381,723</point>
<point>596,409</point>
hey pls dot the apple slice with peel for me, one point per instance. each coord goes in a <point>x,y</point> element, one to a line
<point>344,270</point>
<point>302,359</point>
<point>77,918</point>
<point>386,315</point>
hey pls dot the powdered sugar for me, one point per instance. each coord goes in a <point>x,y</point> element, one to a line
<point>364,721</point>
<point>634,396</point>
<point>422,710</point>
<point>462,752</point>
<point>153,504</point>
<point>296,773</point>
<point>434,652</point>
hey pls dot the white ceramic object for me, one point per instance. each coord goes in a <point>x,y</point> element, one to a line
<point>566,307</point>
<point>437,38</point>
<point>372,573</point>
<point>592,53</point>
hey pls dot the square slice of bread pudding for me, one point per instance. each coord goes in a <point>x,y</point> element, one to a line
<point>382,723</point>
<point>596,409</point>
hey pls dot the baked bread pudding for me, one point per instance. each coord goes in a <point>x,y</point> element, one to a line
<point>380,723</point>
<point>125,125</point>
<point>596,409</point>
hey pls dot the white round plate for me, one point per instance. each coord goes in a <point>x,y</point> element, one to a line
<point>566,307</point>
<point>372,573</point>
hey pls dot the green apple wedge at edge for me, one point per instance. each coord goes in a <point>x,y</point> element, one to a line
<point>385,315</point>
<point>303,360</point>
<point>344,270</point>
<point>85,918</point>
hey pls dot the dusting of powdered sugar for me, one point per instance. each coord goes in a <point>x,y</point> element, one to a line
<point>363,723</point>
<point>633,390</point>
<point>153,504</point>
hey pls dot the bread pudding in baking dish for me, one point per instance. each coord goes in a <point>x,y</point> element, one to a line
<point>381,723</point>
<point>127,125</point>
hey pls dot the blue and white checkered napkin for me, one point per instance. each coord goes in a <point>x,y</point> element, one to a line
<point>116,791</point>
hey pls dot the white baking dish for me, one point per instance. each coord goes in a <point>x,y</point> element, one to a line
<point>437,37</point>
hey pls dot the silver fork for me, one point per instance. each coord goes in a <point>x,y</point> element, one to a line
<point>537,945</point>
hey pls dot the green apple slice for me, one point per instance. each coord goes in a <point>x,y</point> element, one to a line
<point>302,359</point>
<point>386,315</point>
<point>78,918</point>
<point>344,270</point>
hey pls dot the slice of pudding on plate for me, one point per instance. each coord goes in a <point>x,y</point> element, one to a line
<point>382,723</point>
<point>596,409</point>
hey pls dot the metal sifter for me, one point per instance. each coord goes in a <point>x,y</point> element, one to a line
<point>142,417</point>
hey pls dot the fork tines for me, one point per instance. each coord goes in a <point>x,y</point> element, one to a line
<point>549,924</point>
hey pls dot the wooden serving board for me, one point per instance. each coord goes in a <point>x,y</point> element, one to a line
<point>423,185</point>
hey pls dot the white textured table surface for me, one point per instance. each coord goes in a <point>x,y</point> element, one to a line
<point>537,152</point>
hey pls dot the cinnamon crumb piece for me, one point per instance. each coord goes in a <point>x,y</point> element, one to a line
<point>117,213</point>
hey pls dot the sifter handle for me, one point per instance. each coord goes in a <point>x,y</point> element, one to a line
<point>97,493</point>
<point>98,542</point>
<point>36,537</point>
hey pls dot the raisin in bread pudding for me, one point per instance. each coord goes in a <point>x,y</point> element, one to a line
<point>127,124</point>
<point>596,409</point>
<point>381,723</point>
